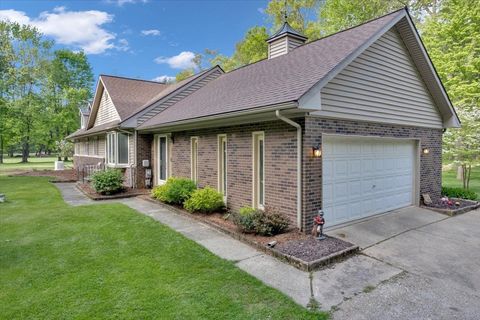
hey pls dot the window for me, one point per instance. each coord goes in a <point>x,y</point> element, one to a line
<point>162,150</point>
<point>194,158</point>
<point>117,148</point>
<point>222,164</point>
<point>258,170</point>
<point>87,147</point>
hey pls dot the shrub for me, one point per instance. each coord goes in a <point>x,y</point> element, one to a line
<point>271,222</point>
<point>245,219</point>
<point>206,200</point>
<point>108,181</point>
<point>461,193</point>
<point>268,222</point>
<point>175,190</point>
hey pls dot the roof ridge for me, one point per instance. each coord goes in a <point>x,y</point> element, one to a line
<point>132,79</point>
<point>308,43</point>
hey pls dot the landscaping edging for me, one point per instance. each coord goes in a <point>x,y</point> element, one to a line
<point>99,197</point>
<point>454,212</point>
<point>294,261</point>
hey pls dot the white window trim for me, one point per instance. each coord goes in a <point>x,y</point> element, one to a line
<point>255,192</point>
<point>194,173</point>
<point>220,137</point>
<point>167,154</point>
<point>115,163</point>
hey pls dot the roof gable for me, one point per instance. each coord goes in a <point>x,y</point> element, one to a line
<point>121,97</point>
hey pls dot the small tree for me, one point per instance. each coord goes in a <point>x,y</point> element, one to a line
<point>463,144</point>
<point>65,149</point>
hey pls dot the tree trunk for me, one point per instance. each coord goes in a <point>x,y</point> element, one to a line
<point>460,173</point>
<point>65,158</point>
<point>1,149</point>
<point>25,151</point>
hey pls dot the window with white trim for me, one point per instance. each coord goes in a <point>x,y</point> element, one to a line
<point>194,158</point>
<point>258,170</point>
<point>222,164</point>
<point>117,148</point>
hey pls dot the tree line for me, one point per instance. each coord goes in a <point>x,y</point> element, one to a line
<point>450,30</point>
<point>41,90</point>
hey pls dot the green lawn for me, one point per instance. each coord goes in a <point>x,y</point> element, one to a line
<point>109,262</point>
<point>449,180</point>
<point>14,164</point>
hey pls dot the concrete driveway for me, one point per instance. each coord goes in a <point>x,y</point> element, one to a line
<point>440,257</point>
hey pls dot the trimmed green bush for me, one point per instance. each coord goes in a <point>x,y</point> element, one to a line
<point>266,222</point>
<point>175,190</point>
<point>108,181</point>
<point>455,192</point>
<point>206,200</point>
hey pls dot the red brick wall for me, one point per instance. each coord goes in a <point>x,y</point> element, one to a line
<point>280,163</point>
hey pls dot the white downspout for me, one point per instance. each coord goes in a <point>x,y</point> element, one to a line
<point>299,165</point>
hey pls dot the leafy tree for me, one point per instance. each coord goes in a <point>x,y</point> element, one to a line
<point>184,74</point>
<point>452,38</point>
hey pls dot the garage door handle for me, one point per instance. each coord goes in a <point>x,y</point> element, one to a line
<point>373,186</point>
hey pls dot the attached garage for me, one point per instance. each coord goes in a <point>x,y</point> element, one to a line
<point>366,176</point>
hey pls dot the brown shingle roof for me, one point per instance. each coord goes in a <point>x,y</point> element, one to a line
<point>282,79</point>
<point>129,95</point>
<point>97,129</point>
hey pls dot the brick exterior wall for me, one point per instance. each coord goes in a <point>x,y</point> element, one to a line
<point>430,165</point>
<point>280,163</point>
<point>144,152</point>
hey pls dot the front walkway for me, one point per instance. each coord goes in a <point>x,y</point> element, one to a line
<point>329,286</point>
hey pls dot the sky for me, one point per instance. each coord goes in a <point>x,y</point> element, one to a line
<point>146,39</point>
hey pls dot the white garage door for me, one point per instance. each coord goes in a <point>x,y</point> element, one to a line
<point>365,176</point>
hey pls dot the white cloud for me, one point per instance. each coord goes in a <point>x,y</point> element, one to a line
<point>261,10</point>
<point>184,60</point>
<point>164,79</point>
<point>151,32</point>
<point>123,45</point>
<point>80,29</point>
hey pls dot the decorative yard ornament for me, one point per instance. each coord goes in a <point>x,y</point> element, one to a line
<point>318,223</point>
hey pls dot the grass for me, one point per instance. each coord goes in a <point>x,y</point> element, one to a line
<point>107,261</point>
<point>34,163</point>
<point>449,180</point>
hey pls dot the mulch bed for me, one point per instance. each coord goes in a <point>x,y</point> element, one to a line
<point>453,209</point>
<point>296,248</point>
<point>67,175</point>
<point>311,249</point>
<point>125,193</point>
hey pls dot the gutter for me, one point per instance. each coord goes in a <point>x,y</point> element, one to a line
<point>299,165</point>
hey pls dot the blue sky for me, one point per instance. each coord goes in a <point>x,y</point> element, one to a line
<point>143,39</point>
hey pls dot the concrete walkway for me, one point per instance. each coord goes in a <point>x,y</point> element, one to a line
<point>329,287</point>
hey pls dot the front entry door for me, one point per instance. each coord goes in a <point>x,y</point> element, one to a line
<point>162,159</point>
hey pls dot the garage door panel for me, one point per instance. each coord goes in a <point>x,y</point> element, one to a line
<point>362,176</point>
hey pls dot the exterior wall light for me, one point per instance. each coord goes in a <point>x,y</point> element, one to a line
<point>317,151</point>
<point>425,151</point>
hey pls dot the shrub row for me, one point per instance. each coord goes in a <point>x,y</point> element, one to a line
<point>266,222</point>
<point>461,193</point>
<point>184,192</point>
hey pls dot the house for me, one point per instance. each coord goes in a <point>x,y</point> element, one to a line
<point>350,124</point>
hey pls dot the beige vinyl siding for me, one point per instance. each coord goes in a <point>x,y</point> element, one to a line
<point>106,110</point>
<point>131,149</point>
<point>293,43</point>
<point>278,47</point>
<point>101,146</point>
<point>177,97</point>
<point>381,85</point>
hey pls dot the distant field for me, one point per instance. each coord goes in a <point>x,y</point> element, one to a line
<point>34,163</point>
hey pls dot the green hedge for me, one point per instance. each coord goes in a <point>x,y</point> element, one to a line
<point>206,200</point>
<point>107,182</point>
<point>455,192</point>
<point>175,190</point>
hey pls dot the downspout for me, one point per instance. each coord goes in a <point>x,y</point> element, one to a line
<point>299,165</point>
